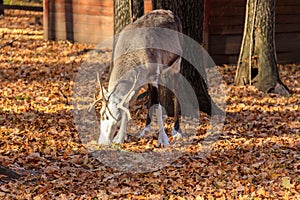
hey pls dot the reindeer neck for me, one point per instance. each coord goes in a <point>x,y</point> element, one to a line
<point>121,90</point>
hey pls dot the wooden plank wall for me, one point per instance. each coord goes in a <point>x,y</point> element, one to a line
<point>86,21</point>
<point>91,21</point>
<point>288,31</point>
<point>226,25</point>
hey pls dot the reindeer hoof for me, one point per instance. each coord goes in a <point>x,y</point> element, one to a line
<point>145,132</point>
<point>176,135</point>
<point>103,140</point>
<point>163,139</point>
<point>119,139</point>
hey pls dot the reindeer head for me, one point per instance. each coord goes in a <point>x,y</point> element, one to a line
<point>110,118</point>
<point>113,109</point>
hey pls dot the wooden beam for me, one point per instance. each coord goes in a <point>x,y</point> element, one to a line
<point>18,7</point>
<point>46,19</point>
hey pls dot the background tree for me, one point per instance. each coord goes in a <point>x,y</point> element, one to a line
<point>191,14</point>
<point>126,12</point>
<point>257,64</point>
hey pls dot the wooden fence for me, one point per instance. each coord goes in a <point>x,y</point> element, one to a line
<point>226,26</point>
<point>91,21</point>
<point>88,21</point>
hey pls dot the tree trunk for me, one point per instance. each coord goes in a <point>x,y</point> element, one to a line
<point>257,63</point>
<point>1,8</point>
<point>191,14</point>
<point>126,12</point>
<point>8,173</point>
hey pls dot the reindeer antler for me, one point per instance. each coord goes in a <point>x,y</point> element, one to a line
<point>101,88</point>
<point>128,96</point>
<point>102,95</point>
<point>105,101</point>
<point>102,98</point>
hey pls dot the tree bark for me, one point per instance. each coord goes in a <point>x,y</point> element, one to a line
<point>257,63</point>
<point>191,14</point>
<point>126,12</point>
<point>9,173</point>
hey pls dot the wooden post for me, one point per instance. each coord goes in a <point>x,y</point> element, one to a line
<point>46,19</point>
<point>49,17</point>
<point>147,6</point>
<point>69,20</point>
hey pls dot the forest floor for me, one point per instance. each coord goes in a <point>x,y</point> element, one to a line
<point>257,155</point>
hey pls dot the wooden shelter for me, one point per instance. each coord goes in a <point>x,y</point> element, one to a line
<point>91,21</point>
<point>226,26</point>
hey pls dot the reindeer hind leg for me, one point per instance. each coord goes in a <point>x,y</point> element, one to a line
<point>147,128</point>
<point>162,136</point>
<point>176,132</point>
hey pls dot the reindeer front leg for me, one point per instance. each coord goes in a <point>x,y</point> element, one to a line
<point>121,135</point>
<point>176,130</point>
<point>154,100</point>
<point>162,136</point>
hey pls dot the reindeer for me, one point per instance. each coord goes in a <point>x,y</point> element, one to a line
<point>135,65</point>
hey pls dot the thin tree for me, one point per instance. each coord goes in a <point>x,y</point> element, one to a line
<point>257,64</point>
<point>191,14</point>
